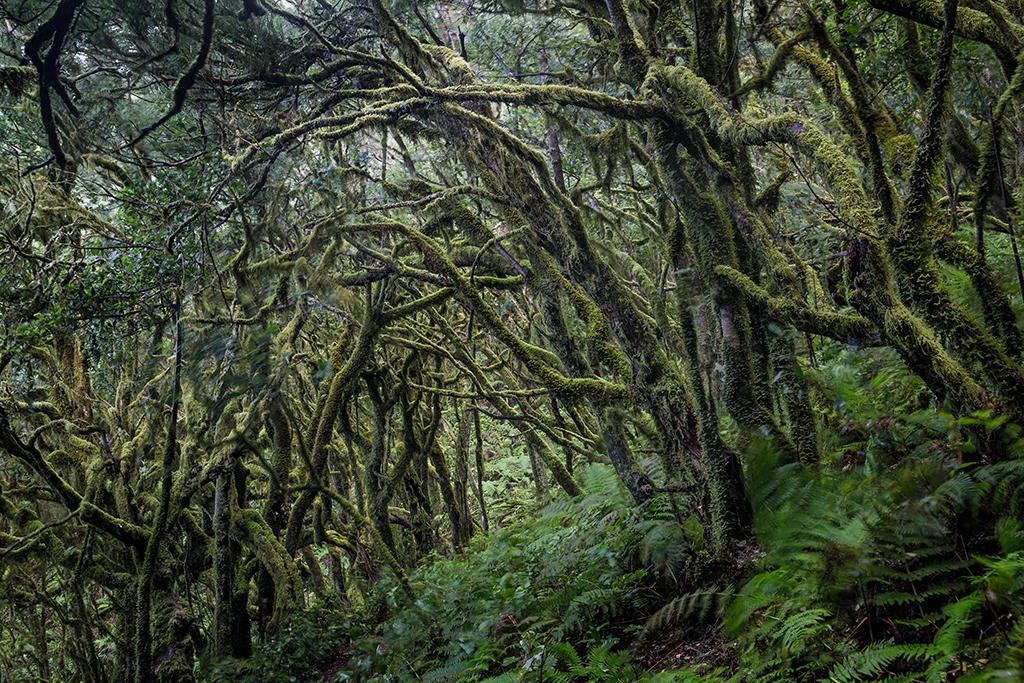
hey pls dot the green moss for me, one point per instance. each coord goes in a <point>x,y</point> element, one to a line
<point>250,526</point>
<point>843,328</point>
<point>381,546</point>
<point>999,316</point>
<point>784,50</point>
<point>972,344</point>
<point>175,639</point>
<point>539,364</point>
<point>598,330</point>
<point>110,166</point>
<point>16,79</point>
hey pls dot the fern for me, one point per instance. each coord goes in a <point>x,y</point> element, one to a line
<point>936,590</point>
<point>1010,535</point>
<point>1007,479</point>
<point>445,673</point>
<point>702,604</point>
<point>559,662</point>
<point>507,677</point>
<point>960,616</point>
<point>958,493</point>
<point>937,569</point>
<point>485,660</point>
<point>662,546</point>
<point>701,675</point>
<point>801,627</point>
<point>763,590</point>
<point>567,655</point>
<point>863,665</point>
<point>602,664</point>
<point>877,546</point>
<point>869,664</point>
<point>901,678</point>
<point>597,601</point>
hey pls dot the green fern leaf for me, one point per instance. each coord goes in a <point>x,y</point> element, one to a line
<point>566,654</point>
<point>960,615</point>
<point>704,604</point>
<point>869,664</point>
<point>798,628</point>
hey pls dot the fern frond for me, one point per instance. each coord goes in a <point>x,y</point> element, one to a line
<point>507,677</point>
<point>949,566</point>
<point>1007,477</point>
<point>560,506</point>
<point>487,658</point>
<point>901,678</point>
<point>701,675</point>
<point>566,654</point>
<point>584,608</point>
<point>604,481</point>
<point>960,615</point>
<point>960,492</point>
<point>445,673</point>
<point>869,664</point>
<point>602,665</point>
<point>798,628</point>
<point>704,604</point>
<point>663,545</point>
<point>901,598</point>
<point>894,598</point>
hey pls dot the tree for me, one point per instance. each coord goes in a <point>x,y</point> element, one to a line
<point>270,266</point>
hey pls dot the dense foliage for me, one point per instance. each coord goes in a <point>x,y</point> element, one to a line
<point>510,340</point>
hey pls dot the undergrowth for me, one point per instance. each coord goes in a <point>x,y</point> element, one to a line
<point>895,565</point>
<point>546,599</point>
<point>896,570</point>
<point>311,638</point>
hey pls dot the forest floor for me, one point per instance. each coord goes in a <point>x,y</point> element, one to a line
<point>697,646</point>
<point>341,661</point>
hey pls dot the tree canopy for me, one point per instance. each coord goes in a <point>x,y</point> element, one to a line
<point>275,273</point>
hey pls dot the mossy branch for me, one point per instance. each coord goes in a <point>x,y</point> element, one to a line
<point>827,78</point>
<point>355,514</point>
<point>779,60</point>
<point>147,573</point>
<point>129,534</point>
<point>876,125</point>
<point>342,381</point>
<point>53,30</point>
<point>971,23</point>
<point>250,526</point>
<point>985,182</point>
<point>809,139</point>
<point>595,389</point>
<point>632,51</point>
<point>929,149</point>
<point>188,79</point>
<point>848,329</point>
